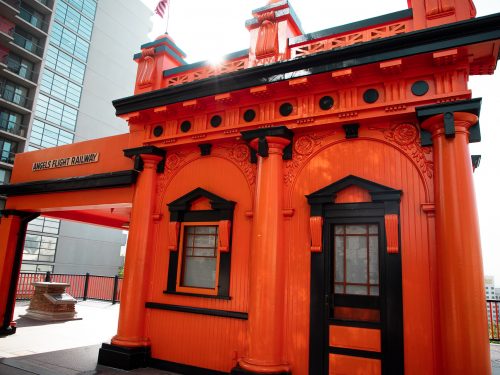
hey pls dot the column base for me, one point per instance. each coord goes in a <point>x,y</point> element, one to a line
<point>124,358</point>
<point>9,330</point>
<point>239,371</point>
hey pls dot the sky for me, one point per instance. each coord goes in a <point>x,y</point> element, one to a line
<point>207,30</point>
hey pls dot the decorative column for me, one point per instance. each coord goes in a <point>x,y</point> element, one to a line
<point>460,283</point>
<point>13,226</point>
<point>130,348</point>
<point>267,258</point>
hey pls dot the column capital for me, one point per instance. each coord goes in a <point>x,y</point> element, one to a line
<point>147,155</point>
<point>278,139</point>
<point>444,118</point>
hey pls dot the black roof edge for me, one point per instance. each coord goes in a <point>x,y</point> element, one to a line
<point>433,39</point>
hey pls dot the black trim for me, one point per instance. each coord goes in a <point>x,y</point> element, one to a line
<point>355,352</point>
<point>348,300</point>
<point>124,358</point>
<point>355,323</point>
<point>205,149</point>
<point>419,88</point>
<point>26,217</point>
<point>353,26</point>
<point>351,130</point>
<point>94,181</point>
<point>216,121</point>
<point>249,115</point>
<point>174,292</point>
<point>135,153</point>
<point>180,368</point>
<point>385,200</point>
<point>158,131</point>
<point>326,102</point>
<point>371,96</point>
<point>476,160</point>
<point>263,147</point>
<point>222,209</point>
<point>198,310</point>
<point>447,110</point>
<point>442,37</point>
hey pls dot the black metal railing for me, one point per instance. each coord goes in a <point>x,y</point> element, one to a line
<point>39,23</point>
<point>12,3</point>
<point>493,311</point>
<point>27,44</point>
<point>13,127</point>
<point>103,288</point>
<point>14,66</point>
<point>10,94</point>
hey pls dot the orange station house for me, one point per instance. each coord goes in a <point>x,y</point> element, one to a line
<point>305,207</point>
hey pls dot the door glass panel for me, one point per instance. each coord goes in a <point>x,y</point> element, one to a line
<point>339,259</point>
<point>356,259</point>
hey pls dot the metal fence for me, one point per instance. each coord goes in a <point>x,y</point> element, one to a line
<point>103,288</point>
<point>493,311</point>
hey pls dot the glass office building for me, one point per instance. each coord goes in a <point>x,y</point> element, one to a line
<point>47,48</point>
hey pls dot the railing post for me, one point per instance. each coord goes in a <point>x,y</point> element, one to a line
<point>115,289</point>
<point>47,277</point>
<point>86,286</point>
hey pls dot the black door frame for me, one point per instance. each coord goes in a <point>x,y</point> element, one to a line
<point>385,201</point>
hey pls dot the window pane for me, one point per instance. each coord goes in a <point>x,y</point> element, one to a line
<point>373,241</point>
<point>356,229</point>
<point>199,256</point>
<point>357,289</point>
<point>356,261</point>
<point>373,229</point>
<point>339,258</point>
<point>199,272</point>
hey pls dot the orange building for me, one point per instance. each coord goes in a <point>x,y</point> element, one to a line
<point>305,207</point>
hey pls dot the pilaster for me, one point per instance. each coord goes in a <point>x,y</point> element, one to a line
<point>130,347</point>
<point>267,259</point>
<point>462,327</point>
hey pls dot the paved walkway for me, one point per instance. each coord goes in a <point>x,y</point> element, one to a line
<point>63,348</point>
<point>495,358</point>
<point>71,348</point>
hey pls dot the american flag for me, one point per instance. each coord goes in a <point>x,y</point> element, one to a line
<point>161,7</point>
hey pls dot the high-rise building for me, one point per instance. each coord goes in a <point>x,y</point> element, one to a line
<point>62,62</point>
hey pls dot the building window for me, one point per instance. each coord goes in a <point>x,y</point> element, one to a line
<point>44,225</point>
<point>69,41</point>
<point>36,268</point>
<point>56,112</point>
<point>46,135</point>
<point>356,259</point>
<point>64,64</point>
<point>199,258</point>
<point>7,151</point>
<point>61,88</point>
<point>39,248</point>
<point>4,176</point>
<point>199,243</point>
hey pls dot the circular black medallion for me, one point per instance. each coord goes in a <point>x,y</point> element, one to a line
<point>249,115</point>
<point>215,121</point>
<point>370,96</point>
<point>157,131</point>
<point>185,126</point>
<point>286,109</point>
<point>420,88</point>
<point>326,102</point>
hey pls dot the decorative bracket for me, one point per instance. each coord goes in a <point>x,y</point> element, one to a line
<point>447,110</point>
<point>136,153</point>
<point>262,146</point>
<point>392,233</point>
<point>173,235</point>
<point>224,235</point>
<point>316,227</point>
